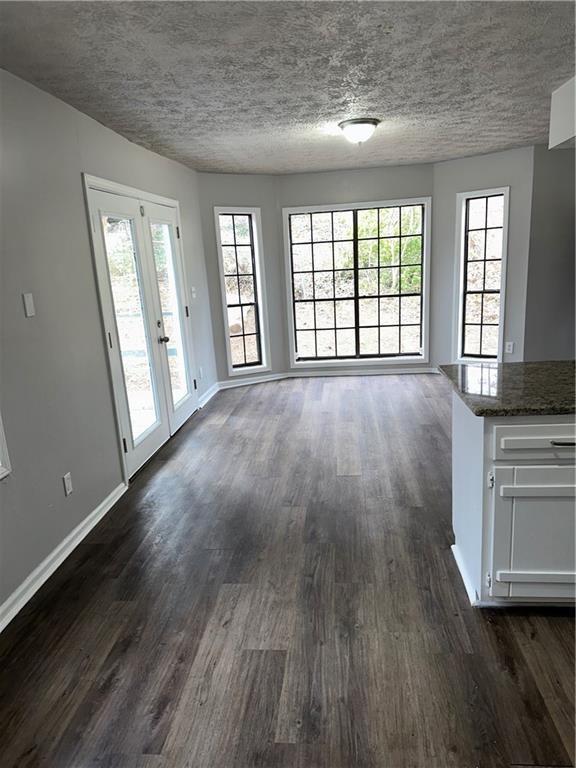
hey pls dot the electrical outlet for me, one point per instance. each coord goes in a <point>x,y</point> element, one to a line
<point>509,347</point>
<point>67,480</point>
<point>29,308</point>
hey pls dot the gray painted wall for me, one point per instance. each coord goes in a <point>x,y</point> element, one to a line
<point>271,194</point>
<point>514,169</point>
<point>55,393</point>
<point>441,181</point>
<point>54,388</point>
<point>550,297</point>
<point>254,191</point>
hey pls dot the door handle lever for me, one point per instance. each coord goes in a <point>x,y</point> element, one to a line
<point>163,339</point>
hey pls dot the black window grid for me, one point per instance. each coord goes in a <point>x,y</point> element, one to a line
<point>483,291</point>
<point>243,305</point>
<point>357,296</point>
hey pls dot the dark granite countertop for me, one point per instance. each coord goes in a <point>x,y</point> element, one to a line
<point>515,389</point>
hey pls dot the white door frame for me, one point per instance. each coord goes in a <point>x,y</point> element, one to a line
<point>95,184</point>
<point>135,450</point>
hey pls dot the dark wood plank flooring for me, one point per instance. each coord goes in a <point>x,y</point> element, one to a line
<point>276,590</point>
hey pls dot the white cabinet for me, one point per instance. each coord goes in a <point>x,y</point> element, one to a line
<point>533,532</point>
<point>514,507</point>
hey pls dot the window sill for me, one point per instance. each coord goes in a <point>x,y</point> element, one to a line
<point>477,360</point>
<point>363,362</point>
<point>248,371</point>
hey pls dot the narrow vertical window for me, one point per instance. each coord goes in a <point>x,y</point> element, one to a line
<point>240,270</point>
<point>482,272</point>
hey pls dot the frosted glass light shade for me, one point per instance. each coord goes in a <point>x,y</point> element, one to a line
<point>358,130</point>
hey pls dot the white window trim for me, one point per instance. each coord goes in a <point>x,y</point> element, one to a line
<point>5,466</point>
<point>461,198</point>
<point>384,362</point>
<point>260,289</point>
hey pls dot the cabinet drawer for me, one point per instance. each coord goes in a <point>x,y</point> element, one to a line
<point>534,441</point>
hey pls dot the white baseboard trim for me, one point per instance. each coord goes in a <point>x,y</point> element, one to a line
<point>296,374</point>
<point>32,583</point>
<point>470,591</point>
<point>208,395</point>
<point>233,383</point>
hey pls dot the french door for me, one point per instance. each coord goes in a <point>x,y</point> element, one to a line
<point>146,318</point>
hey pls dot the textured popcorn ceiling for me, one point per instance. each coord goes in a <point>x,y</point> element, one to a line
<point>260,86</point>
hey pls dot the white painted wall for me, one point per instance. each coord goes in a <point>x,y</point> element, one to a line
<point>442,181</point>
<point>54,387</point>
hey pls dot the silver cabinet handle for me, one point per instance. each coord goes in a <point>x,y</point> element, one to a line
<point>563,443</point>
<point>163,339</point>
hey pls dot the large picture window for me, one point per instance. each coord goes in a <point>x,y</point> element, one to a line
<point>239,250</point>
<point>357,279</point>
<point>484,222</point>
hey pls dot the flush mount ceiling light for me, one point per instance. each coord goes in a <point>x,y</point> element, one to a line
<point>359,129</point>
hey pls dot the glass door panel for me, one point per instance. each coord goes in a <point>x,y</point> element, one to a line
<point>142,290</point>
<point>166,277</point>
<point>172,315</point>
<point>125,283</point>
<point>127,296</point>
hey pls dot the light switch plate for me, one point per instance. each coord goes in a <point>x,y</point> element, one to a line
<point>67,480</point>
<point>29,308</point>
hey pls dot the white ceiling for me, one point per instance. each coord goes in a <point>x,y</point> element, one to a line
<point>259,86</point>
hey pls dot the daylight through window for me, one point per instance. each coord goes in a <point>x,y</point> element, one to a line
<point>240,286</point>
<point>357,281</point>
<point>482,275</point>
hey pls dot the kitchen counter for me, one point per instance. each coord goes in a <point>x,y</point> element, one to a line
<point>514,481</point>
<point>515,389</point>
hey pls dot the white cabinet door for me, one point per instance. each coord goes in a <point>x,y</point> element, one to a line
<point>533,553</point>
